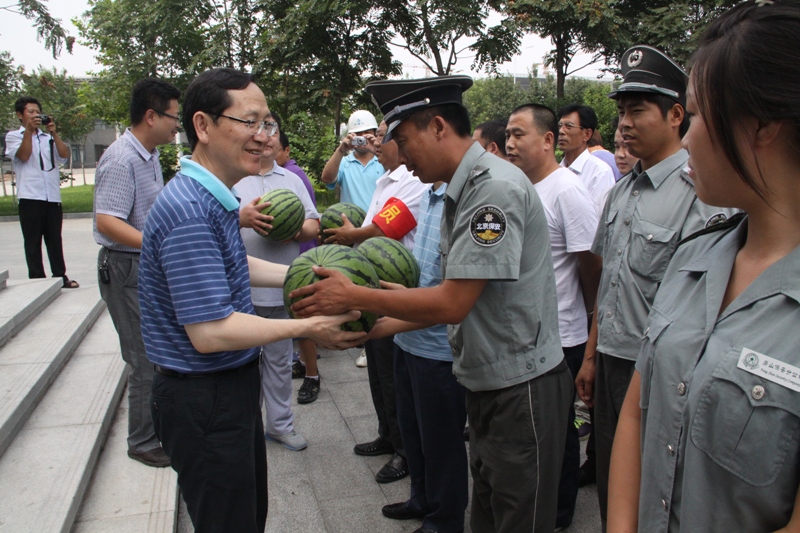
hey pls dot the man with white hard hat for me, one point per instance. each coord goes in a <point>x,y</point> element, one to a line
<point>354,167</point>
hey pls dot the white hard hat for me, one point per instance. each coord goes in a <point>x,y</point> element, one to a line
<point>361,120</point>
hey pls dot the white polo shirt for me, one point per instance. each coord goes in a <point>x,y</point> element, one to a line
<point>402,184</point>
<point>37,178</point>
<point>596,176</point>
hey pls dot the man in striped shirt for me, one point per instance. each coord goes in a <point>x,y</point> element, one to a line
<point>198,322</point>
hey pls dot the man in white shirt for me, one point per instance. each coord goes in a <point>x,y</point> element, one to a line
<point>531,135</point>
<point>392,213</point>
<point>576,124</point>
<point>36,156</point>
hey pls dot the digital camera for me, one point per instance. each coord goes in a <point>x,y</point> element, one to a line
<point>359,141</point>
<point>45,119</point>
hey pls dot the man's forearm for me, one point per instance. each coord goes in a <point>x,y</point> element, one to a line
<point>119,231</point>
<point>330,172</point>
<point>266,274</point>
<point>26,147</point>
<point>61,147</point>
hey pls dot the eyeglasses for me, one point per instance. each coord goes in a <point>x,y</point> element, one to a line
<point>254,127</point>
<point>173,117</point>
<point>569,125</point>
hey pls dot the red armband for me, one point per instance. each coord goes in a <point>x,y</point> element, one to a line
<point>395,219</point>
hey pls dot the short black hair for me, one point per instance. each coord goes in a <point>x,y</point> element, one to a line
<point>22,101</point>
<point>208,93</point>
<point>494,131</point>
<point>151,93</point>
<point>662,101</point>
<point>454,114</point>
<point>284,140</point>
<point>544,118</point>
<point>274,116</point>
<point>586,115</point>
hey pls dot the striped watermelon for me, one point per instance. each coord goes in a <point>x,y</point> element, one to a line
<point>288,212</point>
<point>332,217</point>
<point>392,260</point>
<point>335,257</point>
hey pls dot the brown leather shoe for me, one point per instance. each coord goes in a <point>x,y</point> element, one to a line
<point>155,457</point>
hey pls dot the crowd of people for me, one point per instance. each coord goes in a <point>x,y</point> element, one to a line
<point>658,287</point>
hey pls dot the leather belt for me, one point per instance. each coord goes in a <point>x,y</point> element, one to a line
<point>174,374</point>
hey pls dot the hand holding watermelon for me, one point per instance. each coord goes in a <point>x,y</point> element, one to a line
<point>328,296</point>
<point>327,331</point>
<point>250,217</point>
<point>342,235</point>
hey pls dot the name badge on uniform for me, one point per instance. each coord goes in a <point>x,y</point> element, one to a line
<point>770,369</point>
<point>488,225</point>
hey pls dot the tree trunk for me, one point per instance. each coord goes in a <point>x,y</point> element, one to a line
<point>338,117</point>
<point>561,66</point>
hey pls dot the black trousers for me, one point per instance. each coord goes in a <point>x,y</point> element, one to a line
<point>432,412</point>
<point>211,430</point>
<point>40,219</point>
<point>380,369</point>
<point>571,465</point>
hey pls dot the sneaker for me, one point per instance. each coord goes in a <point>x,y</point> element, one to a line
<point>309,391</point>
<point>361,362</point>
<point>291,440</point>
<point>298,370</point>
<point>584,428</point>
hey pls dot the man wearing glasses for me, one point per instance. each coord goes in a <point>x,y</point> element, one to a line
<point>36,156</point>
<point>576,124</point>
<point>127,182</point>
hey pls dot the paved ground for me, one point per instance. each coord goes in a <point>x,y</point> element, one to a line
<point>325,488</point>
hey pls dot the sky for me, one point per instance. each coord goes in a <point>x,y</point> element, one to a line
<point>18,36</point>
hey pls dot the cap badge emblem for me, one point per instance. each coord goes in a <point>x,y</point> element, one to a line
<point>635,59</point>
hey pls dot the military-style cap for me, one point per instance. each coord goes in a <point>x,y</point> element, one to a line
<point>648,70</point>
<point>399,99</point>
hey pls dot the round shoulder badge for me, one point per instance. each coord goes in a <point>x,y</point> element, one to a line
<point>488,225</point>
<point>713,220</point>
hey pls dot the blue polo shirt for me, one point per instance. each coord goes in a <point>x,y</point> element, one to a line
<point>193,269</point>
<point>357,181</point>
<point>429,343</point>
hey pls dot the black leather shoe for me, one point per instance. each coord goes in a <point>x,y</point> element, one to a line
<point>155,457</point>
<point>379,446</point>
<point>587,475</point>
<point>395,469</point>
<point>401,511</point>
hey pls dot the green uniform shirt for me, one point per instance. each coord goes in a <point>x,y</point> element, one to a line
<point>645,216</point>
<point>494,228</point>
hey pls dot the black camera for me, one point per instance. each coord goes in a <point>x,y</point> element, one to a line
<point>45,119</point>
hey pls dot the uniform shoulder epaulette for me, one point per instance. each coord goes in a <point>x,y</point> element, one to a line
<point>722,225</point>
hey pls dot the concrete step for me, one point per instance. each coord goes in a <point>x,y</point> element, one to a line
<point>21,301</point>
<point>126,496</point>
<point>46,469</point>
<point>3,279</point>
<point>31,360</point>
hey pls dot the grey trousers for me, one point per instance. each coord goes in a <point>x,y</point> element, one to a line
<point>122,300</point>
<point>516,447</point>
<point>276,378</point>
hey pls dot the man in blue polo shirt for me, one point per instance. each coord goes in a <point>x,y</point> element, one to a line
<point>355,167</point>
<point>198,322</point>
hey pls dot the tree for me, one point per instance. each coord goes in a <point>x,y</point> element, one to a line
<point>48,28</point>
<point>9,89</point>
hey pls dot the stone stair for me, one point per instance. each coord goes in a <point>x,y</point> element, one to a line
<point>61,381</point>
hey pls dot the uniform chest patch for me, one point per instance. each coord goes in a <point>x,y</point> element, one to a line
<point>488,225</point>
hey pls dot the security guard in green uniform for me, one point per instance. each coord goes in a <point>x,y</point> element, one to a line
<point>499,296</point>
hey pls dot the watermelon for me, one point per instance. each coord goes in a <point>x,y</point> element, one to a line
<point>332,217</point>
<point>335,257</point>
<point>288,212</point>
<point>392,260</point>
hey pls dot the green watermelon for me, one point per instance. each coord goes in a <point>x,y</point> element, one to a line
<point>335,257</point>
<point>288,212</point>
<point>332,217</point>
<point>392,260</point>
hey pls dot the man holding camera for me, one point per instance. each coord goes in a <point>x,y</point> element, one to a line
<point>36,156</point>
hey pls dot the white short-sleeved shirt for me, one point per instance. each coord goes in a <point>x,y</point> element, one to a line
<point>37,178</point>
<point>572,221</point>
<point>400,184</point>
<point>256,245</point>
<point>596,175</point>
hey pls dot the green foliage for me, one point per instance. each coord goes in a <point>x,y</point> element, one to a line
<point>9,87</point>
<point>312,140</point>
<point>78,199</point>
<point>48,28</point>
<point>168,157</point>
<point>59,96</point>
<point>493,99</point>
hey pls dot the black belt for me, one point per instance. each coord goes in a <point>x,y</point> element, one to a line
<point>174,374</point>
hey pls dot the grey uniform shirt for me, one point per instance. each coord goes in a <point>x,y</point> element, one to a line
<point>645,216</point>
<point>494,227</point>
<point>720,442</point>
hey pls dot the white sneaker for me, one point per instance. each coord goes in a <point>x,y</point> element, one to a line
<point>291,440</point>
<point>361,362</point>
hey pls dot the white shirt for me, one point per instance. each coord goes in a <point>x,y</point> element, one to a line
<point>596,176</point>
<point>33,183</point>
<point>572,221</point>
<point>401,184</point>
